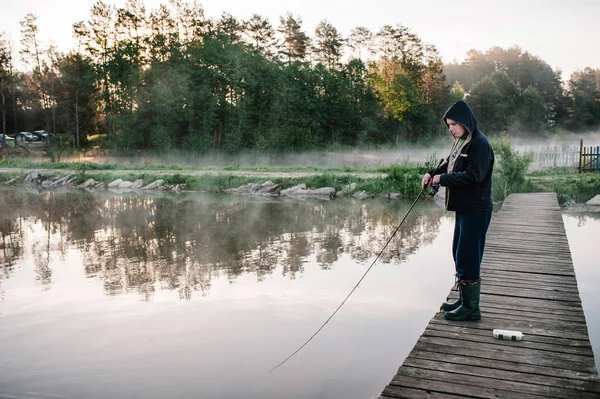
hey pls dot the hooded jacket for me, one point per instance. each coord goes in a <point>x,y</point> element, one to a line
<point>469,183</point>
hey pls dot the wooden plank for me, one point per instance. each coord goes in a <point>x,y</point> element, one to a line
<point>537,338</point>
<point>575,379</point>
<point>473,383</point>
<point>557,313</point>
<point>529,285</point>
<point>517,354</point>
<point>537,285</point>
<point>392,392</point>
<point>529,342</point>
<point>540,304</point>
<point>550,295</point>
<point>526,315</point>
<point>436,387</point>
<point>495,372</point>
<point>521,276</point>
<point>546,360</point>
<point>534,327</point>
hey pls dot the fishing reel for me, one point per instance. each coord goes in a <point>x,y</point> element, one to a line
<point>433,191</point>
<point>435,188</point>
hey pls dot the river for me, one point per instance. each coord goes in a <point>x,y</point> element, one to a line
<point>200,295</point>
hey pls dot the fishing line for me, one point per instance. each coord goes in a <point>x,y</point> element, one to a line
<point>361,279</point>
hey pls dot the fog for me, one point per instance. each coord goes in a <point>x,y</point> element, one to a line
<point>541,147</point>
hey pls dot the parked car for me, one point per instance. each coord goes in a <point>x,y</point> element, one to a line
<point>25,136</point>
<point>41,134</point>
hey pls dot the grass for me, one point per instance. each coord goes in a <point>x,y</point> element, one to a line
<point>510,176</point>
<point>570,185</point>
<point>24,163</point>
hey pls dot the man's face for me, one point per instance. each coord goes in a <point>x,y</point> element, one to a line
<point>455,128</point>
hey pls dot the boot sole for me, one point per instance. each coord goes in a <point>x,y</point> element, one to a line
<point>448,308</point>
<point>471,317</point>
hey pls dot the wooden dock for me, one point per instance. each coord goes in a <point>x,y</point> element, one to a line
<point>528,285</point>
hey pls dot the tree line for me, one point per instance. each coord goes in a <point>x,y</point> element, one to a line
<point>172,78</point>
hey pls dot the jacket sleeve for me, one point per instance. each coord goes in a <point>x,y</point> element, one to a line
<point>477,167</point>
<point>442,168</point>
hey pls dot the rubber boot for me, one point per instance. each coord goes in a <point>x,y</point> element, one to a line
<point>450,306</point>
<point>469,309</point>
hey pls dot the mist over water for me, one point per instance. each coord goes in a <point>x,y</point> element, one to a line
<point>408,154</point>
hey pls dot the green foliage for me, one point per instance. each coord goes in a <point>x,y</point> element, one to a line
<point>509,170</point>
<point>492,100</point>
<point>81,175</point>
<point>58,148</point>
<point>540,98</point>
<point>585,99</point>
<point>172,79</point>
<point>532,115</point>
<point>567,183</point>
<point>324,180</point>
<point>176,179</point>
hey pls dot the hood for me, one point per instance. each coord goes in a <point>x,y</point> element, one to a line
<point>460,112</point>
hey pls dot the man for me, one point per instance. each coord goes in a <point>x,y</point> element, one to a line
<point>467,176</point>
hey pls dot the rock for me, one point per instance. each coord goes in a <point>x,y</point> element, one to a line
<point>62,181</point>
<point>33,178</point>
<point>172,187</point>
<point>137,184</point>
<point>47,183</point>
<point>125,184</point>
<point>88,183</point>
<point>594,201</point>
<point>241,189</point>
<point>115,184</point>
<point>154,185</point>
<point>264,188</point>
<point>267,188</point>
<point>289,191</point>
<point>326,192</point>
<point>393,195</point>
<point>362,195</point>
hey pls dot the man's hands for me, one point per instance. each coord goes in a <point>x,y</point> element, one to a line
<point>429,181</point>
<point>426,180</point>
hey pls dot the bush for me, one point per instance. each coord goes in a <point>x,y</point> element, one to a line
<point>510,169</point>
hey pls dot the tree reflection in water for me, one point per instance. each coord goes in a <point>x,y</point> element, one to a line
<point>148,243</point>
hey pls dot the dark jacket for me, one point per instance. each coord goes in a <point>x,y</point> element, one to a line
<point>469,184</point>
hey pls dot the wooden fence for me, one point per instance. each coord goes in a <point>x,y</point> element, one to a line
<point>589,158</point>
<point>584,159</point>
<point>554,156</point>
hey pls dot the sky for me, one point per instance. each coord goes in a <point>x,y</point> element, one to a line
<point>565,34</point>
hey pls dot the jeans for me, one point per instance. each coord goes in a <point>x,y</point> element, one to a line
<point>470,229</point>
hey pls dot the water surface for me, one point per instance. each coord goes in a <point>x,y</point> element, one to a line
<point>117,296</point>
<point>201,295</point>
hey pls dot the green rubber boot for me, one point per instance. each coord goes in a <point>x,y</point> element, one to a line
<point>469,309</point>
<point>450,306</point>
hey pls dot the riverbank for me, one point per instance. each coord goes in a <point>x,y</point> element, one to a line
<point>403,180</point>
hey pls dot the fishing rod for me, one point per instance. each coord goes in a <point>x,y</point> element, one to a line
<point>434,191</point>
